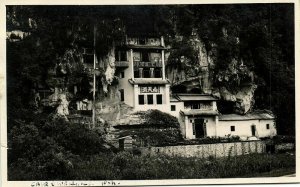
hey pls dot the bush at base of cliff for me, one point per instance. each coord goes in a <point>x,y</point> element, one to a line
<point>159,137</point>
<point>159,129</point>
<point>157,118</point>
<point>47,148</point>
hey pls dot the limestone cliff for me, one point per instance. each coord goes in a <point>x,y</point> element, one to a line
<point>234,83</point>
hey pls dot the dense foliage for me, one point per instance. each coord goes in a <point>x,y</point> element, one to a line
<point>158,129</point>
<point>156,118</point>
<point>48,147</point>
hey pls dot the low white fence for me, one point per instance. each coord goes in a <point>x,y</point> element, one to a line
<point>205,150</point>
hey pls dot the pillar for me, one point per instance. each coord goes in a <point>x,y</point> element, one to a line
<point>136,96</point>
<point>131,63</point>
<point>163,64</point>
<point>186,125</point>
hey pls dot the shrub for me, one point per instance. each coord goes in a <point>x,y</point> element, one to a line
<point>159,129</point>
<point>283,139</point>
<point>160,119</point>
<point>48,148</point>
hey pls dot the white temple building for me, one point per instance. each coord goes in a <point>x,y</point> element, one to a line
<point>143,85</point>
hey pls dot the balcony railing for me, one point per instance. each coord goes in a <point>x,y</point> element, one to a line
<point>144,41</point>
<point>147,64</point>
<point>201,107</point>
<point>121,64</point>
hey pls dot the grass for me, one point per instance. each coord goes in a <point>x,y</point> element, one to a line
<point>132,167</point>
<point>272,173</point>
<point>127,166</point>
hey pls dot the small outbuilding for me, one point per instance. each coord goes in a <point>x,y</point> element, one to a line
<point>199,117</point>
<point>256,124</point>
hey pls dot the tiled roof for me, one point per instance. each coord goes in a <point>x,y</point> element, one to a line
<point>148,81</point>
<point>199,112</point>
<point>173,99</point>
<point>194,97</point>
<point>251,116</point>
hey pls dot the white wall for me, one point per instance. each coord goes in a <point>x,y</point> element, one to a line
<point>178,106</point>
<point>182,121</point>
<point>164,107</point>
<point>124,84</point>
<point>263,131</point>
<point>210,126</point>
<point>243,128</point>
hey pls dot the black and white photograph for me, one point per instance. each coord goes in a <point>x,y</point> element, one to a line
<point>143,92</point>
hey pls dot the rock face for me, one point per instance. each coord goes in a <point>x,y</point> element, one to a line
<point>110,70</point>
<point>243,98</point>
<point>193,76</point>
<point>62,108</point>
<point>200,78</point>
<point>59,98</point>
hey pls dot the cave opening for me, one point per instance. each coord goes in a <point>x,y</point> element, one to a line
<point>225,107</point>
<point>196,91</point>
<point>179,89</point>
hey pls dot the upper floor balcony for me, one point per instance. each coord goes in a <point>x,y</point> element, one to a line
<point>197,102</point>
<point>143,41</point>
<point>194,105</point>
<point>140,64</point>
<point>121,64</point>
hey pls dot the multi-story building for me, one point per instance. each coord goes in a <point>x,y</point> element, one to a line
<point>140,66</point>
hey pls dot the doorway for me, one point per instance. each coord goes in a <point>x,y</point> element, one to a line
<point>253,130</point>
<point>199,128</point>
<point>121,144</point>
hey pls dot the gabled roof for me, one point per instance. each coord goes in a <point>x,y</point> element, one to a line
<point>199,112</point>
<point>194,97</point>
<point>148,81</point>
<point>257,115</point>
<point>173,99</point>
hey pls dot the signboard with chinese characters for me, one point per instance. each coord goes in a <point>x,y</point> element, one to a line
<point>149,89</point>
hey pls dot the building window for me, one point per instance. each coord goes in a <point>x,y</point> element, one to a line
<point>122,75</point>
<point>146,73</point>
<point>122,94</point>
<point>150,99</point>
<point>232,128</point>
<point>195,106</point>
<point>194,130</point>
<point>121,55</point>
<point>157,73</point>
<point>145,57</point>
<point>141,100</point>
<point>142,41</point>
<point>173,107</point>
<point>191,121</point>
<point>136,72</point>
<point>268,126</point>
<point>136,56</point>
<point>159,99</point>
